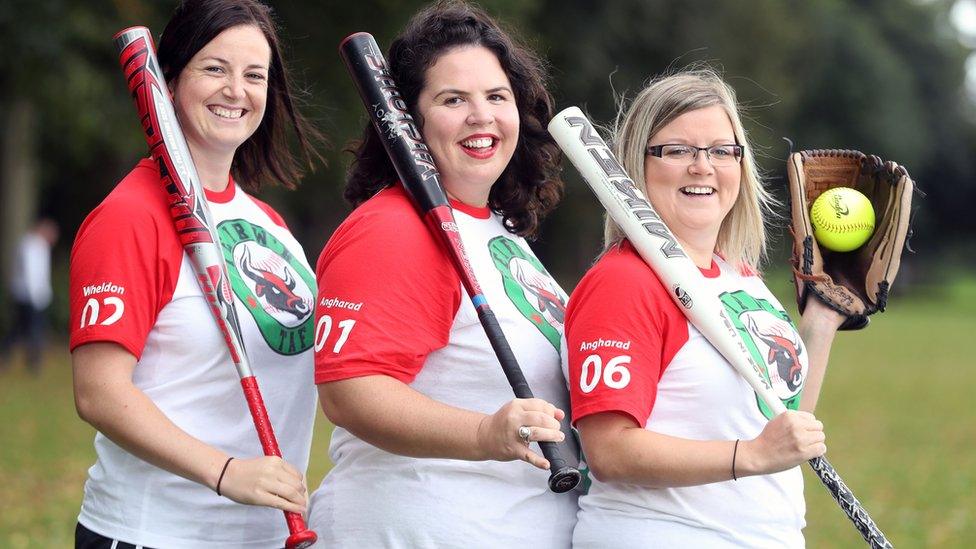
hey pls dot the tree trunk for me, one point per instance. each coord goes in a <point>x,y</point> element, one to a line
<point>18,179</point>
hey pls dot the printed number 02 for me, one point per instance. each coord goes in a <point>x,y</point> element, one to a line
<point>614,369</point>
<point>324,328</point>
<point>89,314</point>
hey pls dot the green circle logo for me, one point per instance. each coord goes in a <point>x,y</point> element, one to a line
<point>274,285</point>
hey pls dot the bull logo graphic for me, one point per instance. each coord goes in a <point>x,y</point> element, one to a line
<point>530,288</point>
<point>784,352</point>
<point>548,302</point>
<point>277,291</point>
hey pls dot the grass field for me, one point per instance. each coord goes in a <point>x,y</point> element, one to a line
<point>896,403</point>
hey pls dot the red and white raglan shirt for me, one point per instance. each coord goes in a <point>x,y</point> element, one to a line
<point>390,303</point>
<point>632,352</point>
<point>132,284</point>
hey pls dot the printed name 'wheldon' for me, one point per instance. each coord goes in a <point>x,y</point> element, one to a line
<point>104,287</point>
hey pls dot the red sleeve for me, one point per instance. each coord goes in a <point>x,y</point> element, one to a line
<point>387,294</point>
<point>622,330</point>
<point>125,262</point>
<point>275,216</point>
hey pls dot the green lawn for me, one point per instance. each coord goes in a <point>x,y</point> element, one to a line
<point>896,404</point>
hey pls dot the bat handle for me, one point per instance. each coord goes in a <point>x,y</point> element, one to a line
<point>301,536</point>
<point>562,477</point>
<point>849,504</point>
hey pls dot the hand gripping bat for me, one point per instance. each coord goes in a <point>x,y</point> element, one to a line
<point>195,227</point>
<point>627,206</point>
<point>415,167</point>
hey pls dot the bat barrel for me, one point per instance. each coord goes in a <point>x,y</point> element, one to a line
<point>392,120</point>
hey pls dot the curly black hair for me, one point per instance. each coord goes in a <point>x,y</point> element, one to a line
<point>530,186</point>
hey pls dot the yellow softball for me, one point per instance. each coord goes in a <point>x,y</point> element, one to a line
<point>842,219</point>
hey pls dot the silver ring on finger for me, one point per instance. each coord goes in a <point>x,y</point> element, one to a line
<point>524,432</point>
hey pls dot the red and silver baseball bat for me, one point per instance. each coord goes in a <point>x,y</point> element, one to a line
<point>195,227</point>
<point>415,166</point>
<point>660,249</point>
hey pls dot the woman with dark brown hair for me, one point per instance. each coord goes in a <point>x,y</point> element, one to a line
<point>176,448</point>
<point>429,438</point>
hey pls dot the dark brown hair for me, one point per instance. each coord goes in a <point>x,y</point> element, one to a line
<point>530,186</point>
<point>265,157</point>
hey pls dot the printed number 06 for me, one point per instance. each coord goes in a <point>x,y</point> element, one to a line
<point>614,368</point>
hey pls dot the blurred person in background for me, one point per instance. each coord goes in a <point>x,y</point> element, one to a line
<point>30,291</point>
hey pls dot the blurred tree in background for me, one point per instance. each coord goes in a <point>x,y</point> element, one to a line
<point>885,77</point>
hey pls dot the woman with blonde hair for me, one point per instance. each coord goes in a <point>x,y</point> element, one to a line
<point>683,452</point>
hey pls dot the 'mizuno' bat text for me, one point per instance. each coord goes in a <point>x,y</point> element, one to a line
<point>630,195</point>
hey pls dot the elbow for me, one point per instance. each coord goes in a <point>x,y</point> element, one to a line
<point>98,404</point>
<point>330,400</point>
<point>604,468</point>
<point>87,408</point>
<point>620,470</point>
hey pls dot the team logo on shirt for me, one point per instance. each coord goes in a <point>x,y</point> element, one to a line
<point>271,283</point>
<point>774,344</point>
<point>527,283</point>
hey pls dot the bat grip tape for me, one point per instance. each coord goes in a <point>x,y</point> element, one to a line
<point>301,536</point>
<point>563,477</point>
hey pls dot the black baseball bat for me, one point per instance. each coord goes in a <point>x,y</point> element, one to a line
<point>415,166</point>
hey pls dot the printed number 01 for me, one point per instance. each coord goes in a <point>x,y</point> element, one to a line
<point>614,368</point>
<point>324,327</point>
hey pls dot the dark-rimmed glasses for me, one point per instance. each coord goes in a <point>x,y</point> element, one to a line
<point>685,155</point>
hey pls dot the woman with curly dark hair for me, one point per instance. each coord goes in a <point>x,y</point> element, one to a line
<point>428,436</point>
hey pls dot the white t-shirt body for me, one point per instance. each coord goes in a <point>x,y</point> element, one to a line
<point>389,284</point>
<point>677,384</point>
<point>132,284</point>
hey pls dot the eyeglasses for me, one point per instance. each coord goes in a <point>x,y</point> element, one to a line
<point>686,155</point>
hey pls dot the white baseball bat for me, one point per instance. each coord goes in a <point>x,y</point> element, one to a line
<point>657,245</point>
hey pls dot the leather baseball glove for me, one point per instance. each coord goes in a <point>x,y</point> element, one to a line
<point>855,283</point>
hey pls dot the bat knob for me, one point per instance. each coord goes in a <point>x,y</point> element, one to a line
<point>564,479</point>
<point>301,540</point>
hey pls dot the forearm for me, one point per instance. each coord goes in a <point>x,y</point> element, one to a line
<point>131,420</point>
<point>392,416</point>
<point>639,456</point>
<point>106,398</point>
<point>620,451</point>
<point>817,328</point>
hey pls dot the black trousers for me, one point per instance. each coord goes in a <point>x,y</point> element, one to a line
<point>28,329</point>
<point>86,539</point>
